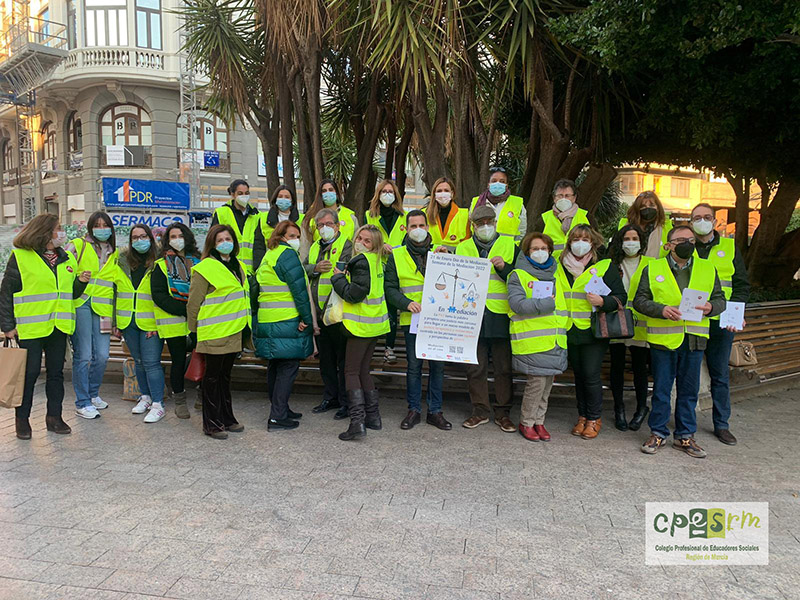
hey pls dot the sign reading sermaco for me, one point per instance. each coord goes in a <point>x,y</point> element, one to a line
<point>145,194</point>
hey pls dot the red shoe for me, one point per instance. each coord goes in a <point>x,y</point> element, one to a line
<point>543,435</point>
<point>529,433</point>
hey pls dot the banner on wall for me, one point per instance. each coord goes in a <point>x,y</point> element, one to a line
<point>145,194</point>
<point>154,220</point>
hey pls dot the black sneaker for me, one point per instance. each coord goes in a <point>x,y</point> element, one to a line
<point>689,446</point>
<point>653,443</point>
<point>277,424</point>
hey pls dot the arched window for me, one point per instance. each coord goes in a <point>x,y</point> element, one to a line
<point>212,136</point>
<point>48,149</point>
<point>126,125</point>
<point>9,157</point>
<point>75,142</point>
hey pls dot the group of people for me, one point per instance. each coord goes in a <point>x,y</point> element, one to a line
<point>263,281</point>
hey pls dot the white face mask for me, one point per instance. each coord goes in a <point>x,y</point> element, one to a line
<point>443,198</point>
<point>418,235</point>
<point>360,248</point>
<point>61,237</point>
<point>243,200</point>
<point>387,198</point>
<point>631,247</point>
<point>539,256</point>
<point>580,248</point>
<point>485,233</point>
<point>295,243</point>
<point>177,244</point>
<point>702,227</point>
<point>563,204</point>
<point>327,233</point>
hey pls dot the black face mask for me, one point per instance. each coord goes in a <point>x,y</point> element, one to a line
<point>684,250</point>
<point>648,213</point>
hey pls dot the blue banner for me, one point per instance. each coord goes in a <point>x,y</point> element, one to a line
<point>132,194</point>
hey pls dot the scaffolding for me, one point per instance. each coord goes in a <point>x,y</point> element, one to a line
<point>190,169</point>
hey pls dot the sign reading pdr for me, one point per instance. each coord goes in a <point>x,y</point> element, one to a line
<point>144,194</point>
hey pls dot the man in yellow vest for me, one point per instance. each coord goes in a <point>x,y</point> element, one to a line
<point>732,273</point>
<point>403,283</point>
<point>494,339</point>
<point>677,344</point>
<point>565,214</point>
<point>245,220</point>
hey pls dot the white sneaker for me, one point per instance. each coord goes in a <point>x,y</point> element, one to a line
<point>156,413</point>
<point>99,403</point>
<point>87,412</point>
<point>143,406</point>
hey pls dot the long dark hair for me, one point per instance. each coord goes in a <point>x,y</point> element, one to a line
<point>634,211</point>
<point>96,216</point>
<point>272,215</point>
<point>190,243</point>
<point>615,252</point>
<point>134,257</point>
<point>318,205</point>
<point>210,247</point>
<point>37,233</point>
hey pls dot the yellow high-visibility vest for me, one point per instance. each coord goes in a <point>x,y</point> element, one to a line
<point>275,301</point>
<point>100,290</point>
<point>226,310</point>
<point>411,280</point>
<point>167,324</point>
<point>453,231</point>
<point>324,286</point>
<point>245,238</point>
<point>639,320</point>
<point>508,219</point>
<point>395,237</point>
<point>348,223</point>
<point>135,304</point>
<point>266,230</point>
<point>538,333</point>
<point>580,310</point>
<point>370,317</point>
<point>45,301</point>
<point>552,227</point>
<point>721,256</point>
<point>497,296</point>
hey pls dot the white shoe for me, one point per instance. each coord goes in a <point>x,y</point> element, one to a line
<point>99,403</point>
<point>87,412</point>
<point>156,413</point>
<point>143,406</point>
<point>389,356</point>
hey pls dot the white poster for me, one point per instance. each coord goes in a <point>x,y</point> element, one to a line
<point>115,156</point>
<point>453,299</point>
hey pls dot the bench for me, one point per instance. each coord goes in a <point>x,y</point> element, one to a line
<point>774,330</point>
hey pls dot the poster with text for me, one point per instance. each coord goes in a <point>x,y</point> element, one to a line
<point>453,299</point>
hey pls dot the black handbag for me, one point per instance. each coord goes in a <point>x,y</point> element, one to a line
<point>616,325</point>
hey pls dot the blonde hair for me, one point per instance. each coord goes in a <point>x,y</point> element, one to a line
<point>377,239</point>
<point>375,203</point>
<point>433,206</point>
<point>595,238</point>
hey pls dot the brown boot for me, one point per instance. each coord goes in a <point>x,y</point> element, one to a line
<point>592,429</point>
<point>23,428</point>
<point>181,410</point>
<point>57,425</point>
<point>578,429</point>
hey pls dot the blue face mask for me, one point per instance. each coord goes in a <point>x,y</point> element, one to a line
<point>225,247</point>
<point>329,198</point>
<point>101,234</point>
<point>141,246</point>
<point>283,204</point>
<point>497,188</point>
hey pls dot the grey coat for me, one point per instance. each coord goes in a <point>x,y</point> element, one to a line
<point>552,362</point>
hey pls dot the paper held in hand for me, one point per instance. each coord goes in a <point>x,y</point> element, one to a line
<point>733,316</point>
<point>542,289</point>
<point>414,326</point>
<point>596,285</point>
<point>690,300</point>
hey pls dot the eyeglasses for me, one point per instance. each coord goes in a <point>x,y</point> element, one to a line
<point>698,218</point>
<point>325,224</point>
<point>567,196</point>
<point>497,170</point>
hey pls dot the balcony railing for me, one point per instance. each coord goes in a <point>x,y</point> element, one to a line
<point>110,57</point>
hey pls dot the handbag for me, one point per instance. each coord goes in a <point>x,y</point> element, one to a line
<point>130,386</point>
<point>197,367</point>
<point>743,354</point>
<point>616,325</point>
<point>12,373</point>
<point>334,310</point>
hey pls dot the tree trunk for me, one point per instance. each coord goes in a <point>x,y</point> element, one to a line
<point>312,73</point>
<point>466,164</point>
<point>391,142</point>
<point>741,188</point>
<point>432,134</point>
<point>598,178</point>
<point>261,122</point>
<point>304,149</point>
<point>362,183</point>
<point>401,152</point>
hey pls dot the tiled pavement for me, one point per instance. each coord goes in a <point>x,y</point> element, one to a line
<point>121,509</point>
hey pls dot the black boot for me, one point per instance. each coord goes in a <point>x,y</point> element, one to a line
<point>325,406</point>
<point>638,417</point>
<point>355,404</point>
<point>23,429</point>
<point>57,425</point>
<point>342,413</point>
<point>373,420</point>
<point>620,422</point>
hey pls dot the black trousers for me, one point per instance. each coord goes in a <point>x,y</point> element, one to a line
<point>177,353</point>
<point>639,355</point>
<point>54,347</point>
<point>586,361</point>
<point>357,363</point>
<point>332,345</point>
<point>281,373</point>
<point>391,337</point>
<point>217,406</point>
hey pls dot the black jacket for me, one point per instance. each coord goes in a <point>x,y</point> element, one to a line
<point>355,290</point>
<point>259,245</point>
<point>159,285</point>
<point>613,280</point>
<point>12,283</point>
<point>740,281</point>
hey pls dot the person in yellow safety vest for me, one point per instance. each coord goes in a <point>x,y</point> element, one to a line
<point>282,207</point>
<point>169,282</point>
<point>97,253</point>
<point>627,254</point>
<point>510,212</point>
<point>580,265</point>
<point>284,325</point>
<point>328,196</point>
<point>448,223</point>
<point>386,212</point>
<point>365,318</point>
<point>37,311</point>
<point>494,339</point>
<point>728,261</point>
<point>677,342</point>
<point>564,216</point>
<point>219,313</point>
<point>245,220</point>
<point>648,213</point>
<point>136,319</point>
<point>405,277</point>
<point>538,330</point>
<point>332,249</point>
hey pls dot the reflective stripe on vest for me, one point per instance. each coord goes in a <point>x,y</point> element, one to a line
<point>226,310</point>
<point>552,227</point>
<point>167,324</point>
<point>455,231</point>
<point>324,286</point>
<point>245,238</point>
<point>395,238</point>
<point>540,333</point>
<point>665,290</point>
<point>135,304</point>
<point>369,318</point>
<point>100,289</point>
<point>639,320</point>
<point>411,280</point>
<point>508,219</point>
<point>275,301</point>
<point>497,295</point>
<point>45,301</point>
<point>580,310</point>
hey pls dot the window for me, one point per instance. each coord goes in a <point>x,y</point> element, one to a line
<point>8,157</point>
<point>48,149</point>
<point>130,126</point>
<point>211,134</point>
<point>106,23</point>
<point>43,25</point>
<point>680,187</point>
<point>72,25</point>
<point>75,142</point>
<point>148,24</point>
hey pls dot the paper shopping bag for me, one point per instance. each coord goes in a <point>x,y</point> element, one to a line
<point>12,373</point>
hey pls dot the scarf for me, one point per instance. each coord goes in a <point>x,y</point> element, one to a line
<point>628,267</point>
<point>179,271</point>
<point>484,247</point>
<point>573,264</point>
<point>654,242</point>
<point>542,266</point>
<point>487,197</point>
<point>420,253</point>
<point>566,217</point>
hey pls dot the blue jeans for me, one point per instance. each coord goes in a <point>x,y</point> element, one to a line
<point>718,353</point>
<point>146,354</point>
<point>414,379</point>
<point>89,355</point>
<point>668,366</point>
